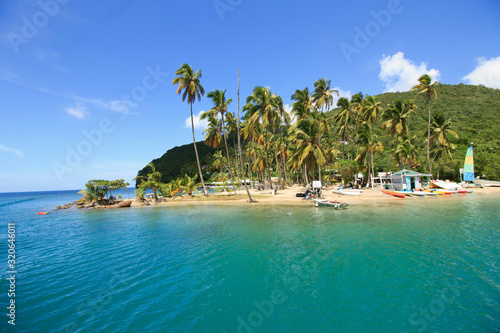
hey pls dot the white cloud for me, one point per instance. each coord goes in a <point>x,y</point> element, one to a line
<point>288,109</point>
<point>342,93</point>
<point>199,124</point>
<point>11,150</point>
<point>487,73</point>
<point>401,74</point>
<point>121,106</point>
<point>79,111</point>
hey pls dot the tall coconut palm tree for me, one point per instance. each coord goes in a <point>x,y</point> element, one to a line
<point>189,85</point>
<point>323,94</point>
<point>250,199</point>
<point>440,132</point>
<point>395,118</point>
<point>305,133</point>
<point>412,107</point>
<point>213,138</point>
<point>343,119</point>
<point>262,105</point>
<point>220,105</point>
<point>407,153</point>
<point>369,146</point>
<point>371,110</point>
<point>428,91</point>
<point>283,120</point>
<point>303,105</point>
<point>232,130</point>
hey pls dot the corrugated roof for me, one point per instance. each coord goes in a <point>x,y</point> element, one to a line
<point>410,173</point>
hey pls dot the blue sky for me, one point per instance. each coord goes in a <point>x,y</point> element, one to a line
<point>86,86</point>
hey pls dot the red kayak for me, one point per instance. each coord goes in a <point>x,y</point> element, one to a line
<point>396,194</point>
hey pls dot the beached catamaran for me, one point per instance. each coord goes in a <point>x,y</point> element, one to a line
<point>469,166</point>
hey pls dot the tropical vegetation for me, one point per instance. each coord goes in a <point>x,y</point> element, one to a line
<point>99,189</point>
<point>324,136</point>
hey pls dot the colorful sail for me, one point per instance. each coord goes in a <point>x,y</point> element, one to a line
<point>469,166</point>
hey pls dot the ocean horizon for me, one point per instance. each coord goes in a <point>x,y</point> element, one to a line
<point>402,266</point>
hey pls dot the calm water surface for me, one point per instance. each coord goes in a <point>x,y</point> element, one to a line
<point>419,265</point>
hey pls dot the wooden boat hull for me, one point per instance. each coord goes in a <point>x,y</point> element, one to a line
<point>395,194</point>
<point>332,204</point>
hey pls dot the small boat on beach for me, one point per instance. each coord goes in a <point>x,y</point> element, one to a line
<point>407,193</point>
<point>425,193</point>
<point>448,192</point>
<point>445,185</point>
<point>394,193</point>
<point>331,203</point>
<point>347,192</point>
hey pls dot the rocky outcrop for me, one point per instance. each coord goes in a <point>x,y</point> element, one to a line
<point>125,203</point>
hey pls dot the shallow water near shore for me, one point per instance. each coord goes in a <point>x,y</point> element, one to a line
<point>419,265</point>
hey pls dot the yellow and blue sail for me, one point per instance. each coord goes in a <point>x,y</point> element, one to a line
<point>469,166</point>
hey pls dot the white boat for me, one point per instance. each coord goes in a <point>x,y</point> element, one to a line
<point>447,185</point>
<point>486,183</point>
<point>347,192</point>
<point>330,203</point>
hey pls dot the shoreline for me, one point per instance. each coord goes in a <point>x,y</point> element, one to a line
<point>287,197</point>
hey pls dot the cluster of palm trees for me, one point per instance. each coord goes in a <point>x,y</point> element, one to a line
<point>305,143</point>
<point>180,186</point>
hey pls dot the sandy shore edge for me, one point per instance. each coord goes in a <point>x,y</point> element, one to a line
<point>287,197</point>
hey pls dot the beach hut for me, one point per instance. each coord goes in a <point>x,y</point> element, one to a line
<point>407,180</point>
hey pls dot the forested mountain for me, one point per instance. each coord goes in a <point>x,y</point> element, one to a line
<point>178,161</point>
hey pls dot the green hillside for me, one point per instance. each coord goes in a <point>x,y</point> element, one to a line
<point>178,161</point>
<point>474,110</point>
<point>475,113</point>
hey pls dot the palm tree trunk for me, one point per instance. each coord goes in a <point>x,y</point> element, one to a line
<point>429,138</point>
<point>220,162</point>
<point>267,162</point>
<point>250,199</point>
<point>393,154</point>
<point>227,153</point>
<point>373,170</point>
<point>238,178</point>
<point>432,161</point>
<point>278,166</point>
<point>306,177</point>
<point>283,155</point>
<point>196,153</point>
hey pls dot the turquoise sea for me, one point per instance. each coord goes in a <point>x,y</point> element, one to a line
<point>415,265</point>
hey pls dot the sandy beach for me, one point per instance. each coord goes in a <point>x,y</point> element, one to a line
<point>288,197</point>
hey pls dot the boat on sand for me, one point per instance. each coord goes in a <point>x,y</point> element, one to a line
<point>347,192</point>
<point>331,203</point>
<point>394,193</point>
